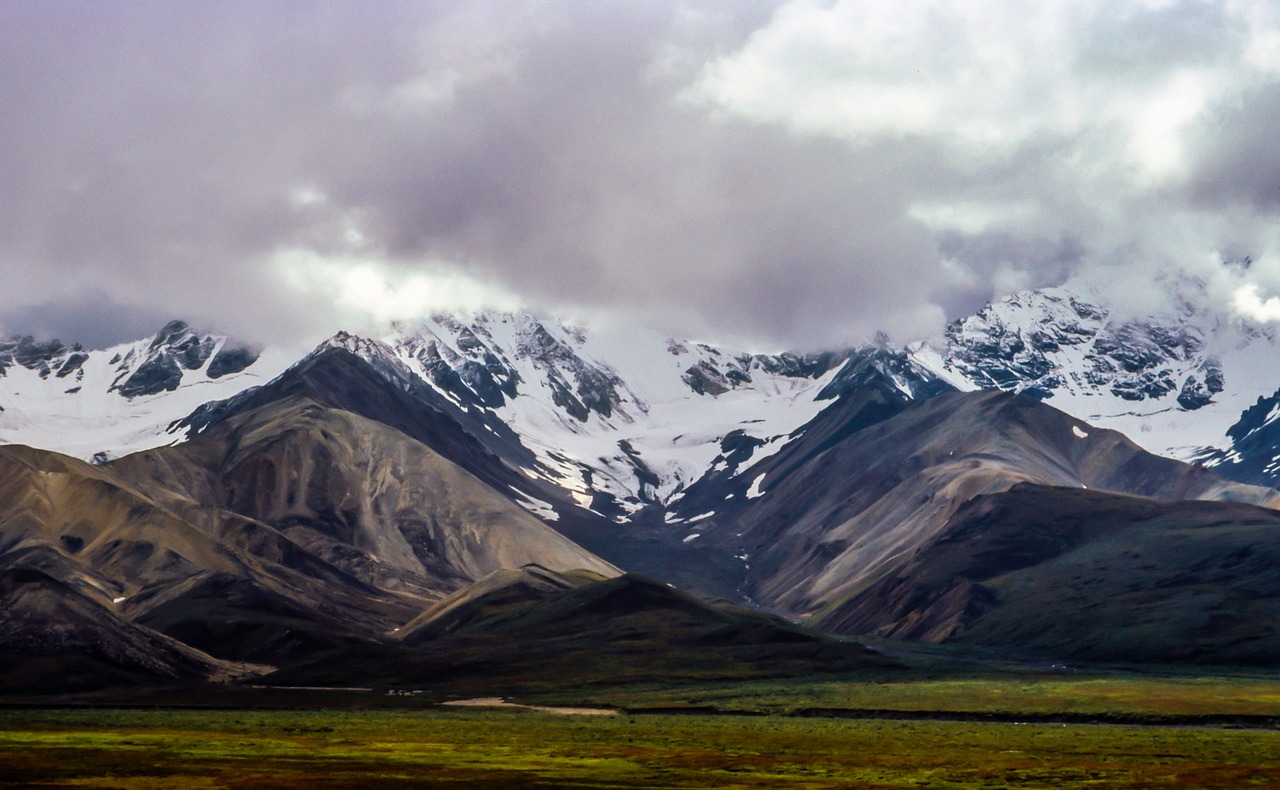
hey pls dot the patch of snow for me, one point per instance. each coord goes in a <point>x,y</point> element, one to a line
<point>537,507</point>
<point>694,536</point>
<point>1079,433</point>
<point>754,492</point>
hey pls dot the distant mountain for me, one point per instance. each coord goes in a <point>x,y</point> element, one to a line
<point>101,404</point>
<point>830,517</point>
<point>1085,575</point>
<point>457,487</point>
<point>1174,381</point>
<point>1253,452</point>
<point>618,419</point>
<point>626,421</point>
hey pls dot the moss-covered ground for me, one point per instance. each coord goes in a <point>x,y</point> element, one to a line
<point>1104,697</point>
<point>451,747</point>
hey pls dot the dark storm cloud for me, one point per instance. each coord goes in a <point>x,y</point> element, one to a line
<point>1236,163</point>
<point>91,319</point>
<point>692,164</point>
<point>155,149</point>
<point>1030,262</point>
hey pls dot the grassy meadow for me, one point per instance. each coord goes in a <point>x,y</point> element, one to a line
<point>1121,696</point>
<point>421,744</point>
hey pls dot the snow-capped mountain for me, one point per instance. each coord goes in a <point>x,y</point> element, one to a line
<point>1175,381</point>
<point>621,419</point>
<point>107,403</point>
<point>373,475</point>
<point>1253,454</point>
<point>628,421</point>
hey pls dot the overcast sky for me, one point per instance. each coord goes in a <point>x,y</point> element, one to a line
<point>771,174</point>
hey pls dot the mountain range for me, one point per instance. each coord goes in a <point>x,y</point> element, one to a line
<point>508,491</point>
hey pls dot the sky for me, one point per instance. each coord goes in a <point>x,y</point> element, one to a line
<point>791,174</point>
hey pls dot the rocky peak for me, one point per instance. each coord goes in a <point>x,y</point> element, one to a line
<point>879,366</point>
<point>149,368</point>
<point>1048,341</point>
<point>43,356</point>
<point>577,386</point>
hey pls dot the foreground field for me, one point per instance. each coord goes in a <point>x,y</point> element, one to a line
<point>520,748</point>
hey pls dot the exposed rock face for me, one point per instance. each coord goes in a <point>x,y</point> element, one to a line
<point>174,349</point>
<point>72,364</point>
<point>158,374</point>
<point>231,360</point>
<point>704,379</point>
<point>576,386</point>
<point>32,354</point>
<point>1200,387</point>
<point>1254,450</point>
<point>1041,342</point>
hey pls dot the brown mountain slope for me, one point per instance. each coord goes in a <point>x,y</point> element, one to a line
<point>857,510</point>
<point>359,494</point>
<point>1082,574</point>
<point>116,545</point>
<point>284,530</point>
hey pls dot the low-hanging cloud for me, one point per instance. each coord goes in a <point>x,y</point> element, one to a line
<point>778,174</point>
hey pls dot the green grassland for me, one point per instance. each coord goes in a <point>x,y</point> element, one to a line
<point>1104,697</point>
<point>817,732</point>
<point>465,748</point>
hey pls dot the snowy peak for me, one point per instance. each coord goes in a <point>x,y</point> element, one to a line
<point>1174,381</point>
<point>620,419</point>
<point>98,404</point>
<point>147,367</point>
<point>380,356</point>
<point>159,366</point>
<point>45,357</point>
<point>1253,454</point>
<point>912,373</point>
<point>1050,341</point>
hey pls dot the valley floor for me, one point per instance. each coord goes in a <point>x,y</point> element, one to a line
<point>798,735</point>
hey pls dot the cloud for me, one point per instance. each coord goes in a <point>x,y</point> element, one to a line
<point>771,173</point>
<point>90,318</point>
<point>1100,124</point>
<point>1249,302</point>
